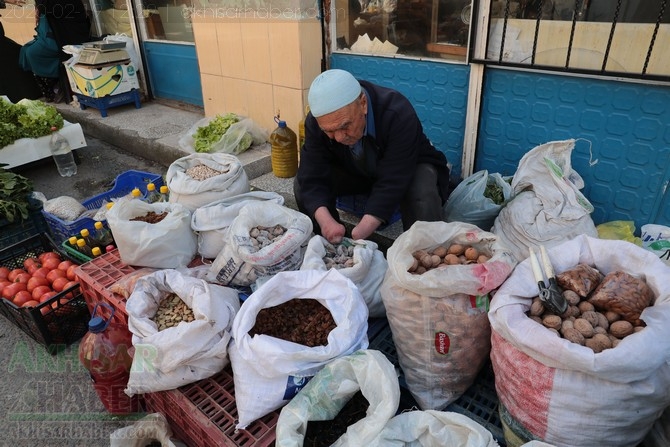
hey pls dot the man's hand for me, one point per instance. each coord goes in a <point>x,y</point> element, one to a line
<point>365,227</point>
<point>331,229</point>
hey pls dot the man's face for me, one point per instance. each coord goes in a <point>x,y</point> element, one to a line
<point>346,125</point>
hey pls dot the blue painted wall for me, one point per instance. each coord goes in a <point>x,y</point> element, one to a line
<point>173,71</point>
<point>438,91</point>
<point>627,125</point>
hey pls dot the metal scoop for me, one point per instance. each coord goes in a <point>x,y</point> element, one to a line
<point>550,293</point>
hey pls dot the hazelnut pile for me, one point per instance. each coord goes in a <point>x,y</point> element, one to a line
<point>262,236</point>
<point>454,254</point>
<point>338,256</point>
<point>171,311</point>
<point>595,317</point>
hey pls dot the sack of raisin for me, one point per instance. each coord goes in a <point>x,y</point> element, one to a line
<point>603,364</point>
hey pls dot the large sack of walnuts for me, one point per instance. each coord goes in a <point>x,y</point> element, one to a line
<point>438,315</point>
<point>288,330</point>
<point>553,379</point>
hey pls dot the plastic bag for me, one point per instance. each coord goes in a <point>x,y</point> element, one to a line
<point>130,48</point>
<point>169,243</point>
<point>656,238</point>
<point>194,193</point>
<point>244,131</point>
<point>65,208</point>
<point>269,371</point>
<point>329,391</point>
<point>623,230</point>
<point>546,207</point>
<point>439,318</point>
<point>182,354</point>
<point>618,393</point>
<point>468,202</point>
<point>367,272</point>
<point>211,221</point>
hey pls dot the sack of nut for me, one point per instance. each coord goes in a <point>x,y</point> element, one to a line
<point>289,329</point>
<point>264,239</point>
<point>181,330</point>
<point>598,374</point>
<point>437,313</point>
<point>360,261</point>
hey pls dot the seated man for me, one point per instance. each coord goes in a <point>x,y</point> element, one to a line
<point>361,138</point>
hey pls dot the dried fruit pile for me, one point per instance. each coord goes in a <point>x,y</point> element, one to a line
<point>301,320</point>
<point>440,256</point>
<point>262,236</point>
<point>151,217</point>
<point>602,309</point>
<point>172,311</point>
<point>339,256</point>
<point>325,433</point>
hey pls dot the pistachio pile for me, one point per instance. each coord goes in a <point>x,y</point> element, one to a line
<point>262,236</point>
<point>171,311</point>
<point>338,256</point>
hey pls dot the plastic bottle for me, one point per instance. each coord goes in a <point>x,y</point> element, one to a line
<point>102,235</point>
<point>96,251</point>
<point>86,235</point>
<point>103,351</point>
<point>153,196</point>
<point>73,242</point>
<point>284,152</point>
<point>136,193</point>
<point>62,154</point>
<point>165,194</point>
<point>301,130</point>
<point>83,248</point>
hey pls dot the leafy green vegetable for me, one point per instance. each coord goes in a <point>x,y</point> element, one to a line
<point>206,136</point>
<point>26,119</point>
<point>14,192</point>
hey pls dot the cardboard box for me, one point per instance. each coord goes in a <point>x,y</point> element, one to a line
<point>98,81</point>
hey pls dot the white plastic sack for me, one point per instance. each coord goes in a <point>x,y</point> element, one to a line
<point>367,272</point>
<point>240,263</point>
<point>268,371</point>
<point>553,387</point>
<point>656,238</point>
<point>433,428</point>
<point>169,243</point>
<point>151,428</point>
<point>182,354</point>
<point>194,193</point>
<point>329,391</point>
<point>130,48</point>
<point>467,202</point>
<point>547,207</point>
<point>64,207</point>
<point>232,141</point>
<point>439,318</point>
<point>659,435</point>
<point>211,221</point>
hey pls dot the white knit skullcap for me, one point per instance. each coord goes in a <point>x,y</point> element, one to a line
<point>332,90</point>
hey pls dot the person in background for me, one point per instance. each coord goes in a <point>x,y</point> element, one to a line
<point>15,83</point>
<point>58,23</point>
<point>362,138</point>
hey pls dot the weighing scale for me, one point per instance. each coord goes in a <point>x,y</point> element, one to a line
<point>101,53</point>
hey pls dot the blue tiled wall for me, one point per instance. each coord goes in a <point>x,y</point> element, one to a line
<point>438,92</point>
<point>627,127</point>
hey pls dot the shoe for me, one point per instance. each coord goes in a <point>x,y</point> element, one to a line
<point>58,97</point>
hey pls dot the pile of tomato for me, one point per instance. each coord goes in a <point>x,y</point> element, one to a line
<point>41,278</point>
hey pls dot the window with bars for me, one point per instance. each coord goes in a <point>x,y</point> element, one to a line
<point>622,38</point>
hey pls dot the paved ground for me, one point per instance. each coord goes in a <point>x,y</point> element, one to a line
<point>49,400</point>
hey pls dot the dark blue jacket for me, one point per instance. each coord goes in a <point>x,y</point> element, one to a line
<point>398,145</point>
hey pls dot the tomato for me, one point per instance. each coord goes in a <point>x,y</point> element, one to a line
<point>47,296</point>
<point>42,271</point>
<point>12,289</point>
<point>71,274</point>
<point>4,272</point>
<point>59,283</point>
<point>60,302</point>
<point>4,283</point>
<point>22,297</point>
<point>31,303</point>
<point>39,291</point>
<point>12,275</point>
<point>23,277</point>
<point>53,274</point>
<point>64,265</point>
<point>30,262</point>
<point>35,281</point>
<point>51,263</point>
<point>48,254</point>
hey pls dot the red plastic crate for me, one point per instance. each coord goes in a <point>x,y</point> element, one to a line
<point>97,276</point>
<point>204,413</point>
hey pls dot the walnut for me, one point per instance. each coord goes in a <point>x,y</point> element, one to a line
<point>536,307</point>
<point>584,327</point>
<point>571,297</point>
<point>574,336</point>
<point>621,329</point>
<point>552,321</point>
